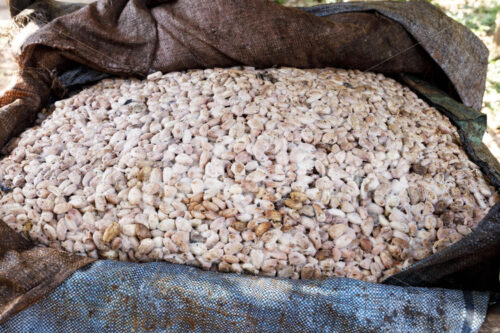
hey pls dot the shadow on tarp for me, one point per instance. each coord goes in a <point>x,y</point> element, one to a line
<point>111,296</point>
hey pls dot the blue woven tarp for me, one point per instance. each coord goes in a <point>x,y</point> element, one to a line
<point>109,296</point>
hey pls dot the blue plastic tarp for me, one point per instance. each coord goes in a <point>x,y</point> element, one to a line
<point>111,296</point>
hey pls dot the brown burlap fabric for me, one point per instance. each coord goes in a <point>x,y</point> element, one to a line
<point>28,273</point>
<point>135,37</point>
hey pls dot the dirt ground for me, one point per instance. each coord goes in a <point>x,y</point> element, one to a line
<point>7,64</point>
<point>477,15</point>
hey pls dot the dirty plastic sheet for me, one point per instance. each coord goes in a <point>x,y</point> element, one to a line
<point>110,296</point>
